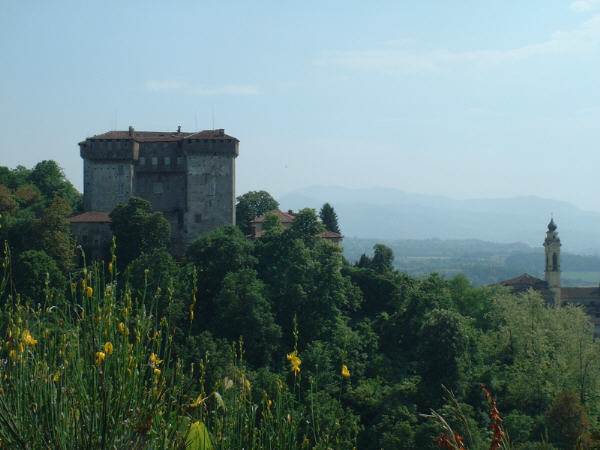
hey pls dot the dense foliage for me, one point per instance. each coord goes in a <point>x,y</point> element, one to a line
<point>251,205</point>
<point>279,343</point>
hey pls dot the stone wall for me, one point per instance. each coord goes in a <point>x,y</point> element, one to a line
<point>192,181</point>
<point>210,186</point>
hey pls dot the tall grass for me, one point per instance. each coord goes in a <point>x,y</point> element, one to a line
<point>96,369</point>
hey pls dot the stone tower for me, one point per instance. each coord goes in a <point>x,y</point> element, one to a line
<point>552,269</point>
<point>189,177</point>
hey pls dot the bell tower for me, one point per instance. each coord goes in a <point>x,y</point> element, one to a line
<point>552,270</point>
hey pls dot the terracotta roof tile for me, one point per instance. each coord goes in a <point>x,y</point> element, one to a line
<point>329,235</point>
<point>90,217</point>
<point>574,293</point>
<point>525,280</point>
<point>284,217</point>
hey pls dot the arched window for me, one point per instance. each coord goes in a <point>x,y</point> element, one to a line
<point>554,261</point>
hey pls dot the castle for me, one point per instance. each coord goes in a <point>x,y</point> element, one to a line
<point>189,177</point>
<point>550,288</point>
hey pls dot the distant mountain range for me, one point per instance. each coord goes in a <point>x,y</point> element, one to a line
<point>384,213</point>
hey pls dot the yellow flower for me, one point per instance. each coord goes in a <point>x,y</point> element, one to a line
<point>89,291</point>
<point>56,376</point>
<point>28,338</point>
<point>345,371</point>
<point>108,348</point>
<point>197,402</point>
<point>100,357</point>
<point>295,362</point>
<point>12,355</point>
<point>110,267</point>
<point>191,315</point>
<point>156,371</point>
<point>123,329</point>
<point>154,359</point>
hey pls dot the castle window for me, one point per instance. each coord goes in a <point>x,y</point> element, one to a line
<point>179,160</point>
<point>142,161</point>
<point>158,188</point>
<point>212,187</point>
<point>154,161</point>
<point>167,161</point>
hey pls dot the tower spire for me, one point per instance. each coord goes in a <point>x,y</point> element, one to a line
<point>552,270</point>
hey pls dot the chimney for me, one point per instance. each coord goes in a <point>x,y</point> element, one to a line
<point>290,211</point>
<point>220,132</point>
<point>131,131</point>
<point>179,129</point>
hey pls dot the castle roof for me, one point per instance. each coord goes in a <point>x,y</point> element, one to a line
<point>160,136</point>
<point>91,217</point>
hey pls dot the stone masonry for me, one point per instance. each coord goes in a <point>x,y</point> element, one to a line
<point>189,177</point>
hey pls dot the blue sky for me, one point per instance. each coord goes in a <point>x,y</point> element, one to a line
<point>465,99</point>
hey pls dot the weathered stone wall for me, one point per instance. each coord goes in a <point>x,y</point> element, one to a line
<point>160,178</point>
<point>107,173</point>
<point>106,184</point>
<point>191,181</point>
<point>210,186</point>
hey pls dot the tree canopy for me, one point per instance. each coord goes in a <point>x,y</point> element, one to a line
<point>138,229</point>
<point>329,218</point>
<point>251,205</point>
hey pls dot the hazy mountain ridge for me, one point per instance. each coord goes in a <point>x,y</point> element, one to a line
<point>385,213</point>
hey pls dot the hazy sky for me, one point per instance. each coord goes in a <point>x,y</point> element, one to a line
<point>465,99</point>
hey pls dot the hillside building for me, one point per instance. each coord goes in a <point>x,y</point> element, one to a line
<point>550,288</point>
<point>286,219</point>
<point>189,177</point>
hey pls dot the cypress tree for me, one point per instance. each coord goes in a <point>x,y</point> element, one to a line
<point>329,218</point>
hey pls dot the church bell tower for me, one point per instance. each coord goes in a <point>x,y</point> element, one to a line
<point>552,270</point>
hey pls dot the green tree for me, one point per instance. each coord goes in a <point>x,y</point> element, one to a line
<point>138,229</point>
<point>383,258</point>
<point>33,269</point>
<point>214,255</point>
<point>7,203</point>
<point>442,350</point>
<point>381,262</point>
<point>251,205</point>
<point>272,223</point>
<point>156,274</point>
<point>50,180</point>
<point>329,218</point>
<point>55,234</point>
<point>306,225</point>
<point>241,309</point>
